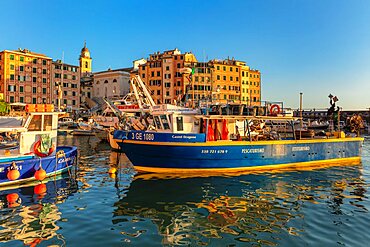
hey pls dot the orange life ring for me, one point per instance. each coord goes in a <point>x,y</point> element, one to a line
<point>274,109</point>
<point>36,148</point>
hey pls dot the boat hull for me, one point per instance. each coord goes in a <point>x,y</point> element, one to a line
<point>238,155</point>
<point>28,165</point>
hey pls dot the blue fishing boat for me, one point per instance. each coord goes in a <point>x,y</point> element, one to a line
<point>175,139</point>
<point>36,155</point>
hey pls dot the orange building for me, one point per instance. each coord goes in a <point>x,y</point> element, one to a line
<point>25,77</point>
<point>162,74</point>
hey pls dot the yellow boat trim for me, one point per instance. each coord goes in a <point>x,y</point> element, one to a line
<point>297,165</point>
<point>244,143</point>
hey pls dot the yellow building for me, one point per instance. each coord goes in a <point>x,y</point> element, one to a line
<point>25,77</point>
<point>254,87</point>
<point>227,80</point>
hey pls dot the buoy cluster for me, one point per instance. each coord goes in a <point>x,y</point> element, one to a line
<point>13,173</point>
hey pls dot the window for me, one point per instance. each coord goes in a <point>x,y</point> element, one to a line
<point>106,81</point>
<point>34,61</point>
<point>12,67</point>
<point>21,99</point>
<point>21,68</point>
<point>11,88</point>
<point>178,65</point>
<point>21,89</point>
<point>43,62</point>
<point>73,102</point>
<point>48,120</point>
<point>114,80</point>
<point>11,57</point>
<point>33,79</point>
<point>34,101</point>
<point>34,70</point>
<point>11,99</point>
<point>86,65</point>
<point>224,68</point>
<point>231,69</point>
<point>224,77</point>
<point>165,122</point>
<point>237,70</point>
<point>43,90</point>
<point>34,90</point>
<point>167,67</point>
<point>218,67</point>
<point>44,71</point>
<point>157,122</point>
<point>12,77</point>
<point>158,73</point>
<point>21,59</point>
<point>43,80</point>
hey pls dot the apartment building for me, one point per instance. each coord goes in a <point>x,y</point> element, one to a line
<point>25,77</point>
<point>254,87</point>
<point>162,74</point>
<point>170,75</point>
<point>66,85</point>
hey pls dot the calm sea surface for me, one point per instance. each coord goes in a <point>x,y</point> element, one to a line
<point>325,207</point>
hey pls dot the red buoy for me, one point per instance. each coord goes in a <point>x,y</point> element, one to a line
<point>40,174</point>
<point>13,174</point>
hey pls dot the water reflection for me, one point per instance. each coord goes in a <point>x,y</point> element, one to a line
<point>262,209</point>
<point>30,214</point>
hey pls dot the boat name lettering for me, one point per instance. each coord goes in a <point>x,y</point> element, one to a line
<point>183,137</point>
<point>214,151</point>
<point>305,148</point>
<point>252,150</point>
<point>65,160</point>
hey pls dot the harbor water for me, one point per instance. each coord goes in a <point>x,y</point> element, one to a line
<point>90,207</point>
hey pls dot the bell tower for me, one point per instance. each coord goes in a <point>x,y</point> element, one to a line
<point>85,61</point>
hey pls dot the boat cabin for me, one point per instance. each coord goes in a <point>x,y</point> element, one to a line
<point>175,119</point>
<point>37,135</point>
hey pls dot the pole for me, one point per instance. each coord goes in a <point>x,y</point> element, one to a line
<point>300,115</point>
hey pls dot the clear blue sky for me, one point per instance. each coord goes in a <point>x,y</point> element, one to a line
<point>315,47</point>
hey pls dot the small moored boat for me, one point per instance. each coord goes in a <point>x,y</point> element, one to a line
<point>37,154</point>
